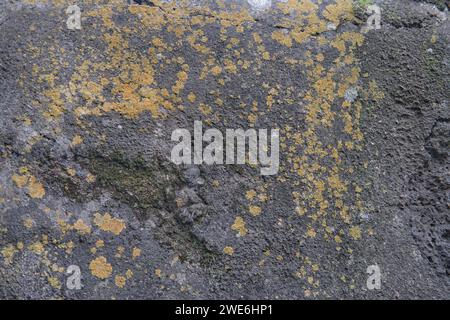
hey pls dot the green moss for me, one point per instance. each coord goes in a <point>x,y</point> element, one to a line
<point>142,185</point>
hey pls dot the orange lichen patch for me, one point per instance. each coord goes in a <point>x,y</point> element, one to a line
<point>133,88</point>
<point>191,97</point>
<point>233,18</point>
<point>254,210</point>
<point>120,281</point>
<point>20,181</point>
<point>8,253</point>
<point>239,226</point>
<point>71,172</point>
<point>198,40</point>
<point>228,250</point>
<point>129,274</point>
<point>81,227</point>
<point>230,66</point>
<point>90,178</point>
<point>37,247</point>
<point>181,202</point>
<point>90,90</point>
<point>109,224</point>
<point>282,38</point>
<point>55,268</point>
<point>269,101</point>
<point>56,103</point>
<point>100,243</point>
<point>133,105</point>
<point>340,11</point>
<point>179,85</point>
<point>355,233</point>
<point>250,194</point>
<point>35,188</point>
<point>28,223</point>
<point>300,7</point>
<point>337,184</point>
<point>23,170</point>
<point>252,119</point>
<point>266,55</point>
<point>54,282</point>
<point>100,268</point>
<point>63,225</point>
<point>158,42</point>
<point>375,92</point>
<point>77,140</point>
<point>120,251</point>
<point>216,70</point>
<point>136,253</point>
<point>68,247</point>
<point>325,187</point>
<point>311,233</point>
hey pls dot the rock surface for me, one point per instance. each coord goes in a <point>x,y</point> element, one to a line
<point>86,118</point>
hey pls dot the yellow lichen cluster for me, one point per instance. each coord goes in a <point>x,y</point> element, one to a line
<point>228,250</point>
<point>25,179</point>
<point>100,268</point>
<point>107,223</point>
<point>239,226</point>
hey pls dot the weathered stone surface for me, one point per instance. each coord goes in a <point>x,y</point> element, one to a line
<point>86,118</point>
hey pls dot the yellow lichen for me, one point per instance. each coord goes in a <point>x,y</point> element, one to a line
<point>136,253</point>
<point>109,224</point>
<point>250,194</point>
<point>254,210</point>
<point>239,226</point>
<point>35,189</point>
<point>282,38</point>
<point>54,282</point>
<point>77,140</point>
<point>8,253</point>
<point>37,247</point>
<point>355,232</point>
<point>81,227</point>
<point>120,281</point>
<point>100,268</point>
<point>28,223</point>
<point>20,181</point>
<point>228,250</point>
